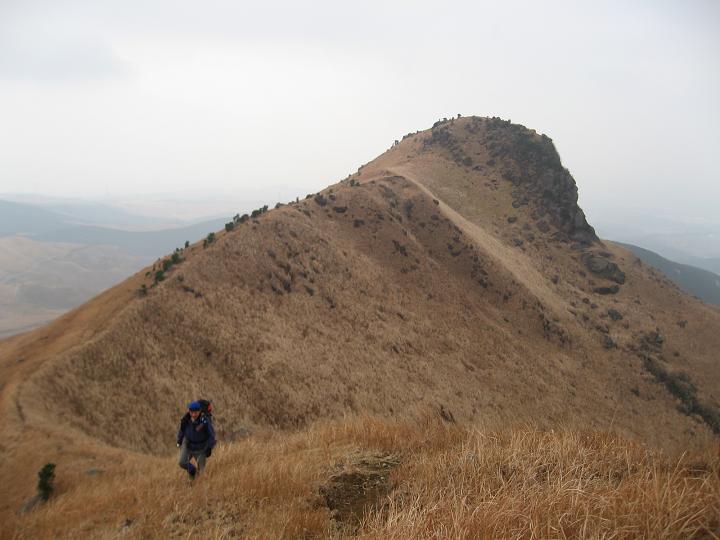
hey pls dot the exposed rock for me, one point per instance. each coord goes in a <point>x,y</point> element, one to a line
<point>655,338</point>
<point>607,290</point>
<point>614,314</point>
<point>608,342</point>
<point>532,164</point>
<point>603,267</point>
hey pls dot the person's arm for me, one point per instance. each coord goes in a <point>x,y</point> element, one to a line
<point>211,433</point>
<point>181,431</point>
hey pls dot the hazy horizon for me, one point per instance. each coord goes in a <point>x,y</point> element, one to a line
<point>266,103</point>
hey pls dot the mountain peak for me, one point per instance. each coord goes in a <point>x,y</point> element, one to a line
<point>527,160</point>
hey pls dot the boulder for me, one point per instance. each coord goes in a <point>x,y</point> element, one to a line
<point>607,290</point>
<point>603,267</point>
<point>608,342</point>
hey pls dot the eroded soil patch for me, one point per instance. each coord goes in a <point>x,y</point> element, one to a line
<point>361,485</point>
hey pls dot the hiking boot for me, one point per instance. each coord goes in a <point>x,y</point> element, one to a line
<point>192,472</point>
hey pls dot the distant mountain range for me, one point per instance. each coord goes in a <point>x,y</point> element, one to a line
<point>711,264</point>
<point>680,239</point>
<point>696,281</point>
<point>44,225</point>
<point>152,243</point>
<point>54,258</point>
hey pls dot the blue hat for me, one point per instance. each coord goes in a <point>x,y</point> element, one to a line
<point>194,406</point>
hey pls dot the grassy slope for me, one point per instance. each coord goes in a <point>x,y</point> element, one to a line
<point>408,312</point>
<point>398,479</point>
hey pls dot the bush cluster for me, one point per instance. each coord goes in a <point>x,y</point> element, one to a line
<point>46,477</point>
<point>255,213</point>
<point>165,265</point>
<point>209,239</point>
<point>681,386</point>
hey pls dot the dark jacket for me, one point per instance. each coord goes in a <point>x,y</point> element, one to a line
<point>200,434</point>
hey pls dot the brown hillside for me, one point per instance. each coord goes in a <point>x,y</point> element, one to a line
<point>454,273</point>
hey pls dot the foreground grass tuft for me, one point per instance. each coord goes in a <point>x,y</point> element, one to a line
<point>442,481</point>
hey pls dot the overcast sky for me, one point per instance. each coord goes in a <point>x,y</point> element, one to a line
<point>270,100</point>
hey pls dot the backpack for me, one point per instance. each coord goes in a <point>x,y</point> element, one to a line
<point>206,407</point>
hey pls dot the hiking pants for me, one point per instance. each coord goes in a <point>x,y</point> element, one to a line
<point>186,454</point>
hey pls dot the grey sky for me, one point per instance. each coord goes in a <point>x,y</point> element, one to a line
<point>276,100</point>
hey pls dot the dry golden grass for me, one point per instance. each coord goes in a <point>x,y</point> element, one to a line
<point>414,284</point>
<point>451,482</point>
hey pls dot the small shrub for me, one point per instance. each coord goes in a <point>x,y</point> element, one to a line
<point>46,477</point>
<point>143,290</point>
<point>159,276</point>
<point>187,244</point>
<point>175,258</point>
<point>166,264</point>
<point>710,414</point>
<point>682,387</point>
<point>229,226</point>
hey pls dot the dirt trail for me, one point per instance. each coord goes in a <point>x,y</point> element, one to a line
<point>521,266</point>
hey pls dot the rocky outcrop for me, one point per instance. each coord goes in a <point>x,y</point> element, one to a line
<point>526,159</point>
<point>603,267</point>
<point>531,163</point>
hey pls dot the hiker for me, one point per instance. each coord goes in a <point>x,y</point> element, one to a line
<point>196,437</point>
